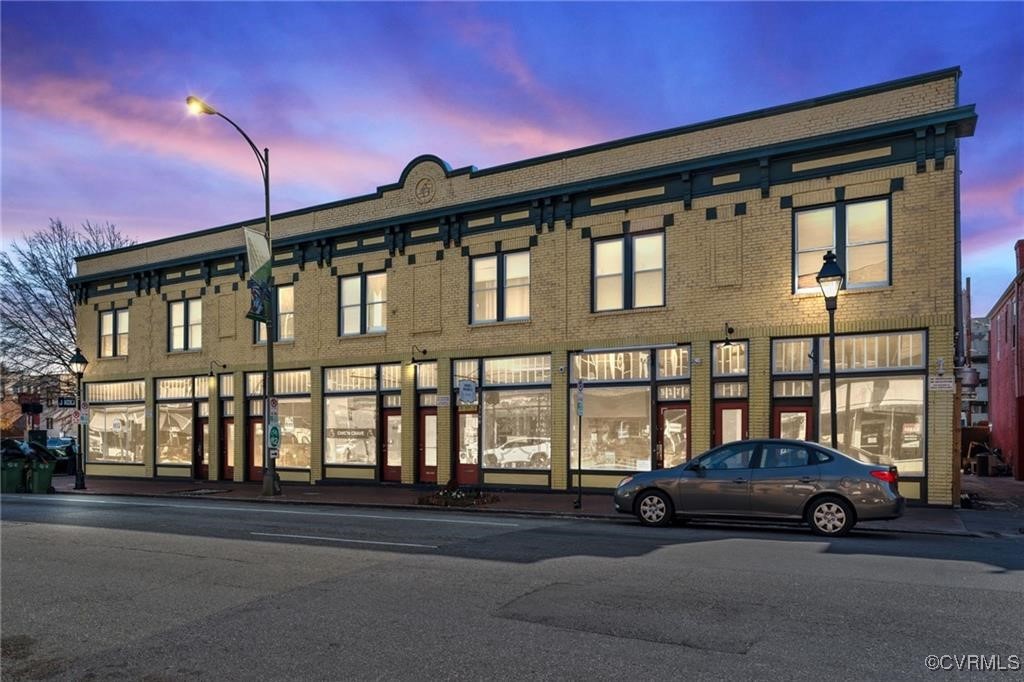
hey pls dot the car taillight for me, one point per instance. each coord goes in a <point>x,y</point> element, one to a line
<point>887,476</point>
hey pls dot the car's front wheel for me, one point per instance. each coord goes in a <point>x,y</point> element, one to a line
<point>653,508</point>
<point>830,516</point>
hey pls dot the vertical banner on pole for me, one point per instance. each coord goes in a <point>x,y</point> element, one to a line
<point>257,249</point>
<point>579,445</point>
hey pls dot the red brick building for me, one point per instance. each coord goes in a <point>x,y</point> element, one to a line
<point>1006,370</point>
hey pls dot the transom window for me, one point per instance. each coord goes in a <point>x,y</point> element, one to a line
<point>730,359</point>
<point>364,300</point>
<point>113,333</point>
<point>186,324</point>
<point>629,272</point>
<point>857,232</point>
<point>501,287</point>
<point>285,309</point>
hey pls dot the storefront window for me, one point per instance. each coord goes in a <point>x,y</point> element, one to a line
<point>117,434</point>
<point>174,433</point>
<point>426,375</point>
<point>345,379</point>
<point>730,358</point>
<point>880,419</point>
<point>870,352</point>
<point>791,356</point>
<point>616,429</point>
<point>350,430</point>
<point>529,369</point>
<point>632,365</point>
<point>517,429</point>
<point>296,431</point>
<point>674,363</point>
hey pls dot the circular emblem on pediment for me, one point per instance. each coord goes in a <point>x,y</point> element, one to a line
<point>425,190</point>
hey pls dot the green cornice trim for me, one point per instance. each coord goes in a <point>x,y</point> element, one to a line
<point>964,118</point>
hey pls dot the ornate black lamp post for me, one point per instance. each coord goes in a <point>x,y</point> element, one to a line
<point>78,363</point>
<point>830,279</point>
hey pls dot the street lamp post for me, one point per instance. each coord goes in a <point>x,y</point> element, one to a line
<point>830,279</point>
<point>198,106</point>
<point>78,363</point>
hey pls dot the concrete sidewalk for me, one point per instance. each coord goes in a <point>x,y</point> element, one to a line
<point>929,520</point>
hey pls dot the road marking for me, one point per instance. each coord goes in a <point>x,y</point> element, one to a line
<point>219,505</point>
<point>359,542</point>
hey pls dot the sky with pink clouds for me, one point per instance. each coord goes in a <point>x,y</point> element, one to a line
<point>346,94</point>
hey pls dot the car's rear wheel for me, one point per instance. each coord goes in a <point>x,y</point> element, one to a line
<point>653,508</point>
<point>830,516</point>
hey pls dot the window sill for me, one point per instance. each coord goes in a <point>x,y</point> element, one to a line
<point>185,351</point>
<point>368,335</point>
<point>285,342</point>
<point>108,358</point>
<point>629,311</point>
<point>844,292</point>
<point>498,323</point>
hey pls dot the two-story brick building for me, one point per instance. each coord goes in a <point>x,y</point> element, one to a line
<point>674,273</point>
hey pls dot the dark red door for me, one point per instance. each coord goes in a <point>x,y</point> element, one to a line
<point>673,447</point>
<point>793,421</point>
<point>391,446</point>
<point>201,456</point>
<point>467,446</point>
<point>730,421</point>
<point>426,445</point>
<point>255,468</point>
<point>227,449</point>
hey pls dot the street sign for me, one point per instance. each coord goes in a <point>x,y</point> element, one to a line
<point>274,437</point>
<point>273,408</point>
<point>82,416</point>
<point>66,401</point>
<point>273,453</point>
<point>467,390</point>
<point>579,398</point>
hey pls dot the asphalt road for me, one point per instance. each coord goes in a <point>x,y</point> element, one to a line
<point>157,589</point>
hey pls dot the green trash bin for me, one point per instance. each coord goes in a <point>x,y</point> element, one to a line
<point>40,476</point>
<point>13,476</point>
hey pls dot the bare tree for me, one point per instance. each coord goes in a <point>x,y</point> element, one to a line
<point>37,310</point>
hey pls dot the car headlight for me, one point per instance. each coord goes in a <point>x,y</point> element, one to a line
<point>624,481</point>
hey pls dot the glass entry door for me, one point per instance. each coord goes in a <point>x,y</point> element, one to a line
<point>427,445</point>
<point>227,449</point>
<point>673,435</point>
<point>255,472</point>
<point>467,445</point>
<point>202,449</point>
<point>794,422</point>
<point>730,421</point>
<point>391,446</point>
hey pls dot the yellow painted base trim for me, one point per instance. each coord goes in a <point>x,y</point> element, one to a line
<point>174,472</point>
<point>294,476</point>
<point>348,474</point>
<point>609,481</point>
<point>910,490</point>
<point>138,470</point>
<point>538,479</point>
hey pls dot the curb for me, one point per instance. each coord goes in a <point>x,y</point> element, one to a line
<point>492,510</point>
<point>364,505</point>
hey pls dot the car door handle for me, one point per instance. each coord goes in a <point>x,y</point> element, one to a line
<point>739,480</point>
<point>806,479</point>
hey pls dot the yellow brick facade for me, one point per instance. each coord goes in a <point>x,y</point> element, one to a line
<point>735,267</point>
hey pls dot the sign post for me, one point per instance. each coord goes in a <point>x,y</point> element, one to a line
<point>578,504</point>
<point>273,429</point>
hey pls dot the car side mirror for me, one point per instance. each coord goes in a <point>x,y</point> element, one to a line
<point>698,468</point>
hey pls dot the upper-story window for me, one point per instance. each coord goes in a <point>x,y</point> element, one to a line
<point>284,309</point>
<point>364,301</point>
<point>629,272</point>
<point>186,324</point>
<point>501,287</point>
<point>113,333</point>
<point>856,231</point>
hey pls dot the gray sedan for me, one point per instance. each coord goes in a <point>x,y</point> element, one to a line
<point>777,480</point>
